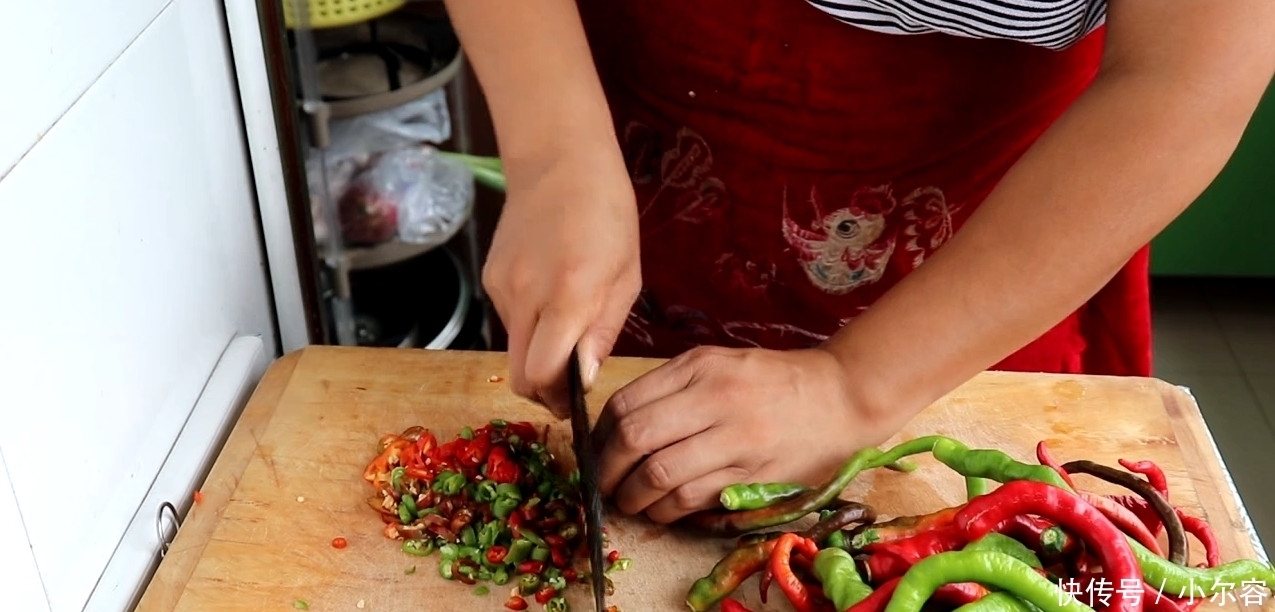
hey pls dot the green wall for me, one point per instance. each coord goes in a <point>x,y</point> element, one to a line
<point>1230,230</point>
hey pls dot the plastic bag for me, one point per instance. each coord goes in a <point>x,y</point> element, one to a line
<point>422,120</point>
<point>413,194</point>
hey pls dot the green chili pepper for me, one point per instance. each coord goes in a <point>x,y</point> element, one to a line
<point>569,531</point>
<point>500,577</point>
<point>410,503</point>
<point>501,508</point>
<point>573,478</point>
<point>841,581</point>
<point>508,491</point>
<point>836,540</point>
<point>993,464</point>
<point>540,554</point>
<point>557,604</point>
<point>518,551</point>
<point>499,423</point>
<point>467,432</point>
<point>999,601</point>
<point>528,583</point>
<point>488,535</point>
<point>449,551</point>
<point>469,552</point>
<point>990,568</point>
<point>404,513</point>
<point>753,496</point>
<point>445,570</point>
<point>482,590</point>
<point>449,483</point>
<point>544,488</point>
<point>997,542</point>
<point>514,440</point>
<point>484,575</point>
<point>532,537</point>
<point>467,536</point>
<point>1182,581</point>
<point>419,548</point>
<point>557,582</point>
<point>396,478</point>
<point>301,604</point>
<point>620,565</point>
<point>485,492</point>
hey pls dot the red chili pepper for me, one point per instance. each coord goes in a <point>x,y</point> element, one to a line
<point>879,599</point>
<point>1045,459</point>
<point>763,584</point>
<point>570,574</point>
<point>612,556</point>
<point>554,540</point>
<point>496,554</point>
<point>516,603</point>
<point>1155,475</point>
<point>559,557</point>
<point>959,594</point>
<point>1127,521</point>
<point>531,567</point>
<point>339,543</point>
<point>781,567</point>
<point>1204,533</point>
<point>985,513</point>
<point>515,520</point>
<point>1141,509</point>
<point>500,468</point>
<point>895,558</point>
<point>730,605</point>
<point>1033,531</point>
<point>545,593</point>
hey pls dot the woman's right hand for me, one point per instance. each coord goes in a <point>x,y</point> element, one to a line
<point>563,269</point>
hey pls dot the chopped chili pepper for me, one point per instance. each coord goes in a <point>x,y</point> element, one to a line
<point>531,567</point>
<point>496,554</point>
<point>780,565</point>
<point>984,514</point>
<point>730,605</point>
<point>545,594</point>
<point>339,542</point>
<point>1178,552</point>
<point>199,497</point>
<point>516,603</point>
<point>570,574</point>
<point>612,556</point>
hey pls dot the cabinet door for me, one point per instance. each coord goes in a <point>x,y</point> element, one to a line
<point>131,259</point>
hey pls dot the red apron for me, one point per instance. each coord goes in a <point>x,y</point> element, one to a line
<point>790,169</point>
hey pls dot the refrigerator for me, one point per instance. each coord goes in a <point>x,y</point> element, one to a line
<point>162,245</point>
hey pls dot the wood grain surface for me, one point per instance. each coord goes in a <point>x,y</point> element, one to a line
<point>290,479</point>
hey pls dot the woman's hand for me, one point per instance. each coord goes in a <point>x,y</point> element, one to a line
<point>674,438</point>
<point>563,268</point>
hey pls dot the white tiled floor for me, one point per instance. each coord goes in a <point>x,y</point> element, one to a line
<point>1217,338</point>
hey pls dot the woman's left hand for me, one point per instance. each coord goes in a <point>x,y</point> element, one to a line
<point>674,438</point>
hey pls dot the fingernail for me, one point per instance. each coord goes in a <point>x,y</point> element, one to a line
<point>591,373</point>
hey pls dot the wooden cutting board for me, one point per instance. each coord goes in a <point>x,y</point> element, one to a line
<point>290,479</point>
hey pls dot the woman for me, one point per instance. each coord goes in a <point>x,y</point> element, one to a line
<point>788,172</point>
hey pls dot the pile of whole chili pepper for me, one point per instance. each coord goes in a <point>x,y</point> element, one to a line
<point>491,503</point>
<point>1034,543</point>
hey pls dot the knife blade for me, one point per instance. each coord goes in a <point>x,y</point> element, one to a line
<point>592,498</point>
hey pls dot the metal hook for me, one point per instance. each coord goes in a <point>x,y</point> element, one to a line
<point>164,540</point>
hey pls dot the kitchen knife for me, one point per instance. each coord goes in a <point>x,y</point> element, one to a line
<point>586,461</point>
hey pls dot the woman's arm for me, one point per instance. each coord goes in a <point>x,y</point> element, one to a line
<point>1178,85</point>
<point>534,64</point>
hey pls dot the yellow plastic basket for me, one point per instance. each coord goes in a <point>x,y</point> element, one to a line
<point>338,13</point>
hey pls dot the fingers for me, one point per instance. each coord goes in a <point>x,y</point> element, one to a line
<point>667,379</point>
<point>668,470</point>
<point>598,341</point>
<point>555,335</point>
<point>647,430</point>
<point>703,493</point>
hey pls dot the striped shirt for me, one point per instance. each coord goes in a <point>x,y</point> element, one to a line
<point>1053,24</point>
